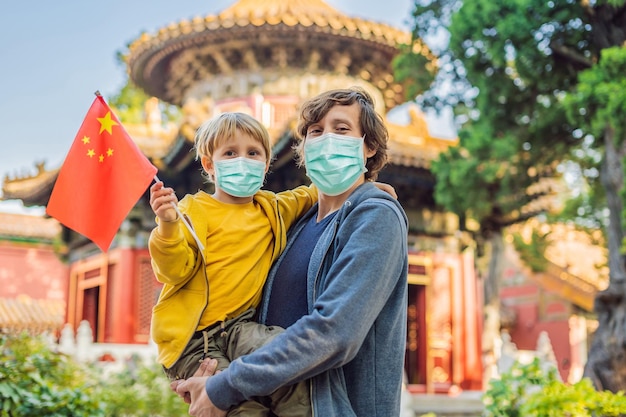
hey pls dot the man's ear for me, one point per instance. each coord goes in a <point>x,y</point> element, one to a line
<point>369,152</point>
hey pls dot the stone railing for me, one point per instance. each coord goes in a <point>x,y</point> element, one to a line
<point>111,356</point>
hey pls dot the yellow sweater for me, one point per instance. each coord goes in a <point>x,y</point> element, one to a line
<point>241,243</point>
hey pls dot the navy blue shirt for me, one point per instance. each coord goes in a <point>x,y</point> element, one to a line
<point>287,303</point>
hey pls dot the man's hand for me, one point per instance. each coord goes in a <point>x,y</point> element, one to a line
<point>207,368</point>
<point>201,405</point>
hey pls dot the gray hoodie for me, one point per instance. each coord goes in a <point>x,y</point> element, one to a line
<point>352,342</point>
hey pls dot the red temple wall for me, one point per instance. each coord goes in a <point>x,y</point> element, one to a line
<point>32,269</point>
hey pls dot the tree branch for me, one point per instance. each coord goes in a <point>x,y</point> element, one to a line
<point>570,55</point>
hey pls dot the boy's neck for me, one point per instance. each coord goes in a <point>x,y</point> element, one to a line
<point>223,197</point>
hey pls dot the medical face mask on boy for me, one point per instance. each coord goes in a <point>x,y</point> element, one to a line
<point>240,177</point>
<point>334,162</point>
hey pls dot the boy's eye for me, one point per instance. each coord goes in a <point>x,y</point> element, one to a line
<point>229,153</point>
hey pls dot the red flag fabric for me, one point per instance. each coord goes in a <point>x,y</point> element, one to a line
<point>103,176</point>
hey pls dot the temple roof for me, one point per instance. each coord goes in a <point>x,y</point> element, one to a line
<point>274,52</point>
<point>251,36</point>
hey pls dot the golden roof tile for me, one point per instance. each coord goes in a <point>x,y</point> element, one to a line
<point>28,226</point>
<point>35,316</point>
<point>275,12</point>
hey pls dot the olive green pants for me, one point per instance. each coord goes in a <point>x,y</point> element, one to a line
<point>225,342</point>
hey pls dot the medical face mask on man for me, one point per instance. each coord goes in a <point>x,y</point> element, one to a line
<point>334,162</point>
<point>240,177</point>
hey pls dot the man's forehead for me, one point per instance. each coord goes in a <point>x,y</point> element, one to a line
<point>346,113</point>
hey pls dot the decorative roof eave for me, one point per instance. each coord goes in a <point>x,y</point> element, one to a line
<point>33,190</point>
<point>338,25</point>
<point>412,144</point>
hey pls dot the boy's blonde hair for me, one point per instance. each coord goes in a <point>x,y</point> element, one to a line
<point>214,132</point>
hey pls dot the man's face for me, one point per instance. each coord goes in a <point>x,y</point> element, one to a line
<point>340,120</point>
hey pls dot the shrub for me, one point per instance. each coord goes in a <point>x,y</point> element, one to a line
<point>140,391</point>
<point>557,399</point>
<point>530,390</point>
<point>35,381</point>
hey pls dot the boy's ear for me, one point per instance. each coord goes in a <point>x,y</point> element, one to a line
<point>207,165</point>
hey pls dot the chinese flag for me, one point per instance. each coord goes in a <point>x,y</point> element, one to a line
<point>102,178</point>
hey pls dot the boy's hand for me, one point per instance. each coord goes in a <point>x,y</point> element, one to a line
<point>161,200</point>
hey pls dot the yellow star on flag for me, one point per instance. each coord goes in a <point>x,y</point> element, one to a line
<point>106,123</point>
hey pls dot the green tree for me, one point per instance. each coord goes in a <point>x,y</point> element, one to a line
<point>530,80</point>
<point>130,103</point>
<point>130,106</point>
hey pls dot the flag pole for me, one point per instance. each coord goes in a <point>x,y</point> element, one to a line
<point>186,222</point>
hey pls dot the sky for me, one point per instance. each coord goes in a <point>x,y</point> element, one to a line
<point>55,55</point>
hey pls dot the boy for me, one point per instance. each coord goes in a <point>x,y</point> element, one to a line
<point>207,303</point>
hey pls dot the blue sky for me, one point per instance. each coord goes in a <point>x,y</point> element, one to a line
<point>55,55</point>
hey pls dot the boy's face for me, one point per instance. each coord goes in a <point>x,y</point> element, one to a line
<point>241,145</point>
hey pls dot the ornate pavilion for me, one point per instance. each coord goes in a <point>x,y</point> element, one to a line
<point>265,58</point>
